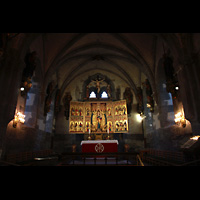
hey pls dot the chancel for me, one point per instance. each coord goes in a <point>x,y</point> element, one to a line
<point>99,99</point>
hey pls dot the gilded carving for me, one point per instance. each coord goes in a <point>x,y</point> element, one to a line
<point>98,117</point>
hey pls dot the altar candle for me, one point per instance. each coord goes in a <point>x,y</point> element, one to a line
<point>108,130</point>
<point>89,131</point>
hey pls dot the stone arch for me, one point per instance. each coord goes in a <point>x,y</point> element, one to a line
<point>130,57</point>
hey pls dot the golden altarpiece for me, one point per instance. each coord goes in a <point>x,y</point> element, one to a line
<point>98,117</point>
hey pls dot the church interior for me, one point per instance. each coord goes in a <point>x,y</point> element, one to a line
<point>131,97</point>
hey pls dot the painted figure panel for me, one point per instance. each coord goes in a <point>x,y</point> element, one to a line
<point>98,117</point>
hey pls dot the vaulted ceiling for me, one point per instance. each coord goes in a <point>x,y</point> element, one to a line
<point>66,56</point>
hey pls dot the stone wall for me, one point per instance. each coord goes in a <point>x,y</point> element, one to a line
<point>169,138</point>
<point>24,138</point>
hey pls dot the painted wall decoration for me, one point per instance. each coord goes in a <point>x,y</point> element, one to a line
<point>98,117</point>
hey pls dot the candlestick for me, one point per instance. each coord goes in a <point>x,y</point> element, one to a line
<point>89,138</point>
<point>108,134</point>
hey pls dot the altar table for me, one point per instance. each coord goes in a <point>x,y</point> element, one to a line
<point>99,146</point>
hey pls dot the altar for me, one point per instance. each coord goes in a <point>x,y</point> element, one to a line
<point>99,146</point>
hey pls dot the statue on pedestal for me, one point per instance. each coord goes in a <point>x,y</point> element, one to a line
<point>129,99</point>
<point>66,102</point>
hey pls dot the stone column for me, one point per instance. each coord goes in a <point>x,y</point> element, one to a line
<point>10,77</point>
<point>3,126</point>
<point>189,88</point>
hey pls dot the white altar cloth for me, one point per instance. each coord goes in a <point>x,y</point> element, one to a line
<point>98,141</point>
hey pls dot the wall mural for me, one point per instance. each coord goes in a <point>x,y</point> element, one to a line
<point>98,117</point>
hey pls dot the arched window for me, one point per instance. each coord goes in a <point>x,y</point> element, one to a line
<point>104,95</point>
<point>92,95</point>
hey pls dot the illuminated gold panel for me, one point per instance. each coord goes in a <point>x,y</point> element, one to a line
<point>98,117</point>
